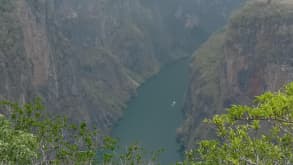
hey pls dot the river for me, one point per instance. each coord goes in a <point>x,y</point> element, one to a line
<point>153,116</point>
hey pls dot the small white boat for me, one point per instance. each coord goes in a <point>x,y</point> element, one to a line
<point>173,103</point>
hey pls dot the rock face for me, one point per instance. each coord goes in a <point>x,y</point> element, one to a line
<point>86,58</point>
<point>251,55</point>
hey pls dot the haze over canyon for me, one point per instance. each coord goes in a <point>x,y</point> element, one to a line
<point>111,62</point>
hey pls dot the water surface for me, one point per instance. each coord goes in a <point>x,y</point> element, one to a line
<point>152,117</point>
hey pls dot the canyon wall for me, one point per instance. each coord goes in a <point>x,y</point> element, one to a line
<point>85,59</point>
<point>252,54</point>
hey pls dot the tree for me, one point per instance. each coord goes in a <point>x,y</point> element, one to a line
<point>30,136</point>
<point>16,146</point>
<point>58,142</point>
<point>261,134</point>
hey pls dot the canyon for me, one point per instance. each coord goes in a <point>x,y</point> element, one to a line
<point>89,59</point>
<point>86,59</point>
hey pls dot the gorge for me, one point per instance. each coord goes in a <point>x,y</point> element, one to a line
<point>87,58</point>
<point>126,66</point>
<point>152,117</point>
<point>116,64</point>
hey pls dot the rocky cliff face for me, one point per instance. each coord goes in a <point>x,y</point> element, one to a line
<point>15,82</point>
<point>86,58</point>
<point>188,23</point>
<point>251,55</point>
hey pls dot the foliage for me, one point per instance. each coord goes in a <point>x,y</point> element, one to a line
<point>260,134</point>
<point>132,155</point>
<point>59,142</point>
<point>16,146</point>
<point>208,60</point>
<point>30,136</point>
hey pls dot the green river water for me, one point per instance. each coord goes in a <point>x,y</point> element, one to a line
<point>153,116</point>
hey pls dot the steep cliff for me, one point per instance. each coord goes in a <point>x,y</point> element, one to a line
<point>86,58</point>
<point>15,82</point>
<point>251,55</point>
<point>188,23</point>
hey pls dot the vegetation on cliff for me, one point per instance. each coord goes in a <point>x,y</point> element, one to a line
<point>251,55</point>
<point>205,89</point>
